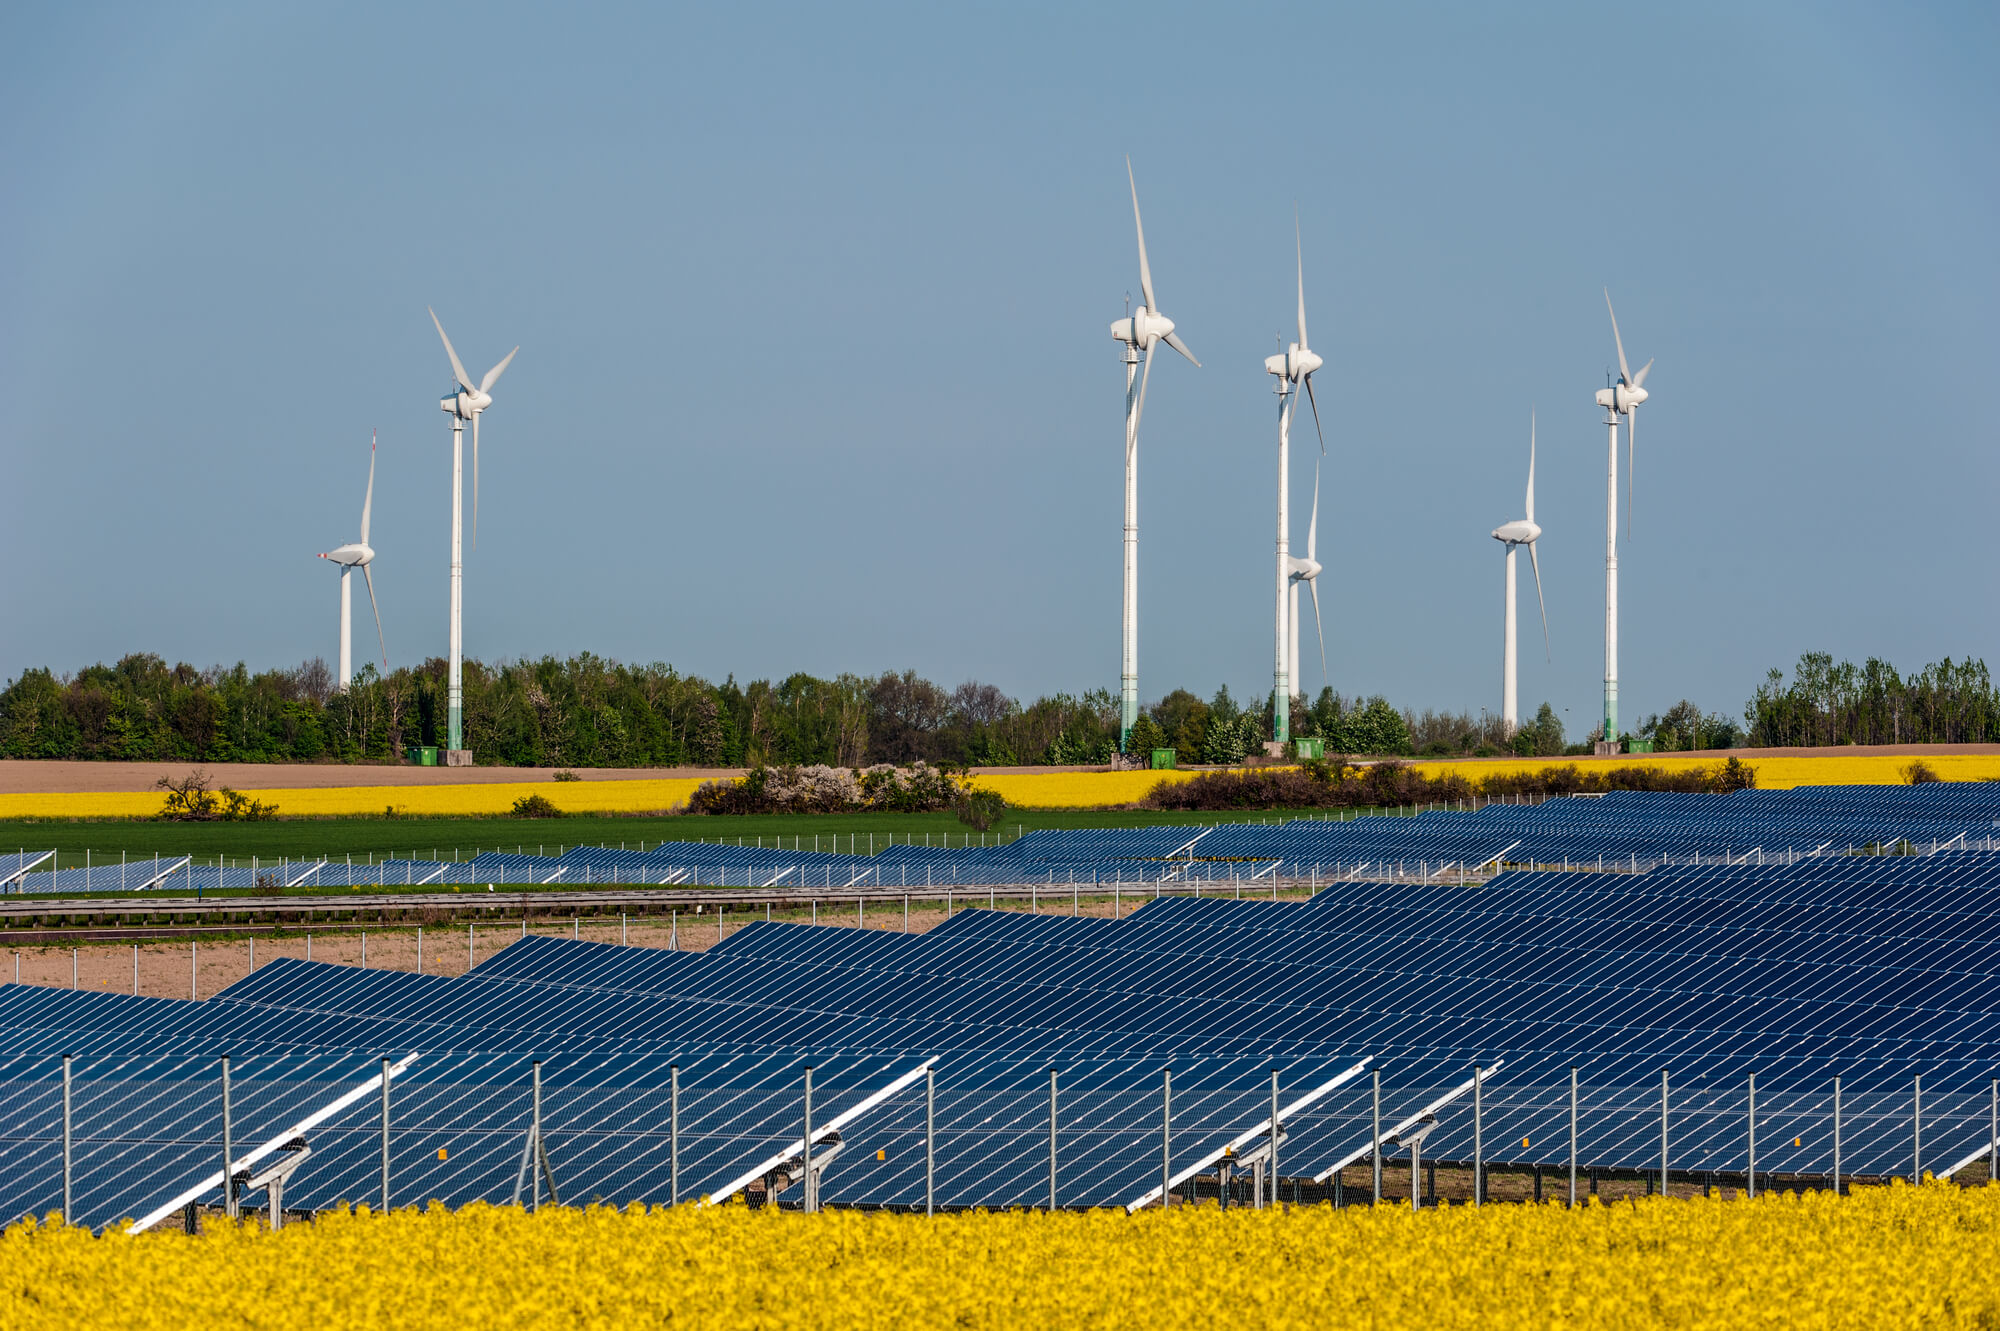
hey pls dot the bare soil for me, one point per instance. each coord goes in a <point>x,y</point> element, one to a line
<point>29,777</point>
<point>163,968</point>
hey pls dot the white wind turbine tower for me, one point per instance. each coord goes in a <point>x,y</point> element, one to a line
<point>1621,399</point>
<point>1294,368</point>
<point>468,404</point>
<point>1513,535</point>
<point>1138,332</point>
<point>350,557</point>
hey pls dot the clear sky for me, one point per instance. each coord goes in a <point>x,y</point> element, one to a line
<point>815,372</point>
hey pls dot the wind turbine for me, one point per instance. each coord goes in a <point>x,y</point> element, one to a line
<point>1138,333</point>
<point>350,557</point>
<point>1621,399</point>
<point>1513,535</point>
<point>467,404</point>
<point>1294,369</point>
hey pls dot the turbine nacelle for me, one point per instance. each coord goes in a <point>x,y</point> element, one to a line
<point>1294,364</point>
<point>351,556</point>
<point>1142,329</point>
<point>1621,397</point>
<point>1518,532</point>
<point>1303,570</point>
<point>465,405</point>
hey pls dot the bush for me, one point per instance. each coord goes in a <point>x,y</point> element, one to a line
<point>918,788</point>
<point>567,775</point>
<point>980,809</point>
<point>1338,785</point>
<point>1919,773</point>
<point>535,806</point>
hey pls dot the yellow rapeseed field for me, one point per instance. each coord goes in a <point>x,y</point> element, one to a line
<point>1835,768</point>
<point>1050,790</point>
<point>1898,1256</point>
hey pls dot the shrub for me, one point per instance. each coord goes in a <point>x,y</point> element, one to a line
<point>1919,773</point>
<point>566,775</point>
<point>918,788</point>
<point>980,809</point>
<point>535,806</point>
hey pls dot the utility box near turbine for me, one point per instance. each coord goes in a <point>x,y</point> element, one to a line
<point>423,755</point>
<point>1162,759</point>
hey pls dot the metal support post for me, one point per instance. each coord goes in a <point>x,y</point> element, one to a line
<point>1375,1154</point>
<point>535,1141</point>
<point>385,1136</point>
<point>674,1136</point>
<point>1993,1137</point>
<point>1478,1134</point>
<point>930,1141</point>
<point>1836,1136</point>
<point>1052,1139</point>
<point>135,970</point>
<point>228,1149</point>
<point>1572,1136</point>
<point>69,1158</point>
<point>1271,1159</point>
<point>1166,1137</point>
<point>1917,1129</point>
<point>1663,1132</point>
<point>806,1176</point>
<point>1750,1178</point>
<point>1416,1177</point>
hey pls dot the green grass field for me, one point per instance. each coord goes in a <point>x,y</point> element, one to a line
<point>105,840</point>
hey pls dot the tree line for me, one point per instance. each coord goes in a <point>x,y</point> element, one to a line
<point>1947,702</point>
<point>586,711</point>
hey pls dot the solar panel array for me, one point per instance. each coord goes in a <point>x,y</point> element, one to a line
<point>1876,970</point>
<point>1623,829</point>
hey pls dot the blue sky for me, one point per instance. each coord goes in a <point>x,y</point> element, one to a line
<point>815,372</point>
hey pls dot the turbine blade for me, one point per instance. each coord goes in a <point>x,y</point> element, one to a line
<point>1299,245</point>
<point>1531,464</point>
<point>1145,269</point>
<point>1312,529</point>
<point>1639,379</point>
<point>1315,406</point>
<point>1174,340</point>
<point>493,375</point>
<point>1536,564</point>
<point>1631,456</point>
<point>475,478</point>
<point>464,380</point>
<point>1623,373</point>
<point>368,500</point>
<point>1320,626</point>
<point>1139,411</point>
<point>369,578</point>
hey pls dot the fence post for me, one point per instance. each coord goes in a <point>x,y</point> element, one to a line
<point>1270,1197</point>
<point>69,1203</point>
<point>674,1136</point>
<point>1917,1129</point>
<point>420,949</point>
<point>535,1132</point>
<point>1166,1137</point>
<point>1663,1132</point>
<point>806,1174</point>
<point>228,1161</point>
<point>1836,1136</point>
<point>1993,1137</point>
<point>192,946</point>
<point>1052,1139</point>
<point>1375,1139</point>
<point>1572,1136</point>
<point>1478,1133</point>
<point>1751,1178</point>
<point>135,970</point>
<point>930,1140</point>
<point>468,946</point>
<point>385,1136</point>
